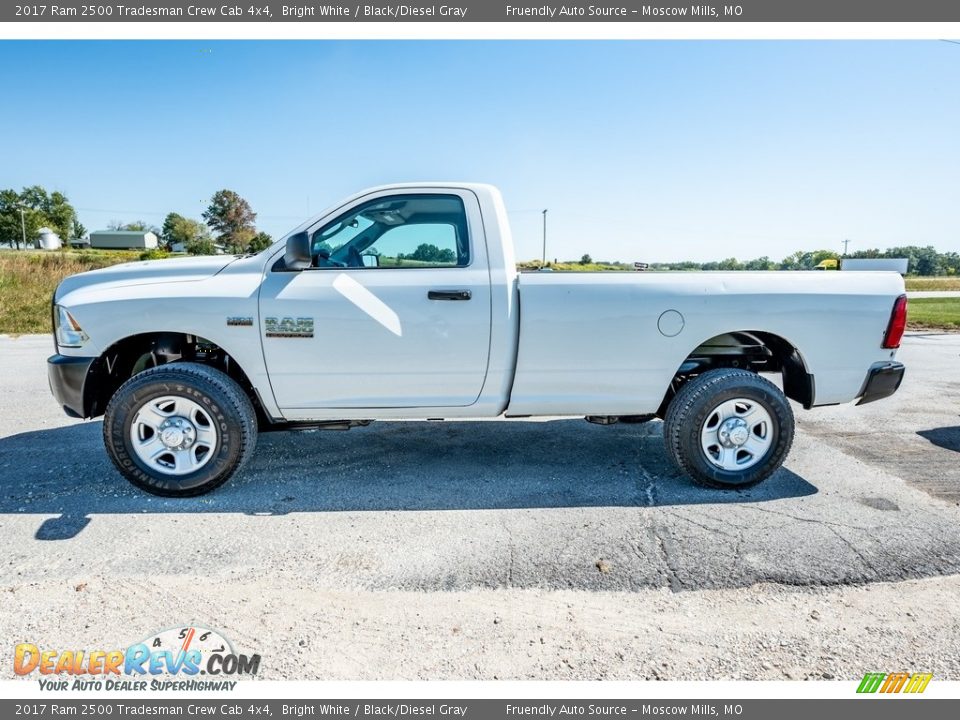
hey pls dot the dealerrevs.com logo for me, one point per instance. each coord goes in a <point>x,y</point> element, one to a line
<point>180,658</point>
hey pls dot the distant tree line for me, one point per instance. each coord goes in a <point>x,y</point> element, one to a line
<point>922,261</point>
<point>228,223</point>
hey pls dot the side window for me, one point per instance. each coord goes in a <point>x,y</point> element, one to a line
<point>420,245</point>
<point>402,231</point>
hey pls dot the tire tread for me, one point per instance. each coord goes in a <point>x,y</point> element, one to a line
<point>708,384</point>
<point>200,374</point>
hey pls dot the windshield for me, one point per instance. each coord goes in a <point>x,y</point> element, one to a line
<point>340,233</point>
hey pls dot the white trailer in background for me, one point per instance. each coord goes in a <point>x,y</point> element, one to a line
<point>876,264</point>
<point>123,240</point>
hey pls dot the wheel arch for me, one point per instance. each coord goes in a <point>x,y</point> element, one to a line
<point>761,351</point>
<point>129,355</point>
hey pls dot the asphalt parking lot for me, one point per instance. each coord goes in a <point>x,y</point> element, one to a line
<point>502,549</point>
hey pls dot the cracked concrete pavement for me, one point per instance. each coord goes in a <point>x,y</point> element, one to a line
<point>383,540</point>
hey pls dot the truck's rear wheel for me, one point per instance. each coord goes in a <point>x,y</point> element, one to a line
<point>728,428</point>
<point>179,430</point>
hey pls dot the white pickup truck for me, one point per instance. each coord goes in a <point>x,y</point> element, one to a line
<point>404,302</point>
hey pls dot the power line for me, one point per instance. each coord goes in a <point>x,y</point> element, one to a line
<point>121,212</point>
<point>167,212</point>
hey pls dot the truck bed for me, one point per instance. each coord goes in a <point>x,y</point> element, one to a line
<point>608,343</point>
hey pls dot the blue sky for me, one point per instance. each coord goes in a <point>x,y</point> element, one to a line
<point>641,150</point>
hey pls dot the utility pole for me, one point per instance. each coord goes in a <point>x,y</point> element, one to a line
<point>845,243</point>
<point>543,262</point>
<point>23,228</point>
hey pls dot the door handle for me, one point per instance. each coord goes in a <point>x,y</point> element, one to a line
<point>449,294</point>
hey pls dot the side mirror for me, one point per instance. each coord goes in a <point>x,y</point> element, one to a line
<point>371,261</point>
<point>297,255</point>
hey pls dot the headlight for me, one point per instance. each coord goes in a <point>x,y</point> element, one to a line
<point>67,330</point>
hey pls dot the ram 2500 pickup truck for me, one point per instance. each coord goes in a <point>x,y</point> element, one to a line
<point>404,302</point>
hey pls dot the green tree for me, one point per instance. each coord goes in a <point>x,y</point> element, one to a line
<point>201,246</point>
<point>870,253</point>
<point>585,259</point>
<point>39,209</point>
<point>923,260</point>
<point>168,233</point>
<point>425,252</point>
<point>232,218</point>
<point>806,259</point>
<point>920,260</point>
<point>135,226</point>
<point>10,229</point>
<point>178,230</point>
<point>761,263</point>
<point>796,261</point>
<point>428,252</point>
<point>240,244</point>
<point>951,263</point>
<point>260,241</point>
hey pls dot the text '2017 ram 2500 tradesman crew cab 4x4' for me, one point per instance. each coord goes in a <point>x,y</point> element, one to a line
<point>404,302</point>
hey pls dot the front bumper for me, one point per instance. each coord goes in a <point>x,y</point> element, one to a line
<point>66,376</point>
<point>882,381</point>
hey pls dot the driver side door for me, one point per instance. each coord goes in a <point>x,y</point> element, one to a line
<point>394,311</point>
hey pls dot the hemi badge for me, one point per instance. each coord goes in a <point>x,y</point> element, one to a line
<point>242,321</point>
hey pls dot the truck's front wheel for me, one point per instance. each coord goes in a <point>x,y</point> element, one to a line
<point>179,430</point>
<point>728,428</point>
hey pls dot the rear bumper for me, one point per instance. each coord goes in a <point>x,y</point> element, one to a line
<point>882,381</point>
<point>67,376</point>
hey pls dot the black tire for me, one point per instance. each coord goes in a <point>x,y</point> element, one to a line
<point>696,403</point>
<point>221,400</point>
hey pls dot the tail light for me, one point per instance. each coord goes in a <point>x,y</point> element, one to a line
<point>897,324</point>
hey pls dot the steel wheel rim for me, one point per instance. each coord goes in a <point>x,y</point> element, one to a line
<point>737,434</point>
<point>173,435</point>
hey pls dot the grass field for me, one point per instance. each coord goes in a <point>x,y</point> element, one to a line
<point>29,277</point>
<point>934,313</point>
<point>933,283</point>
